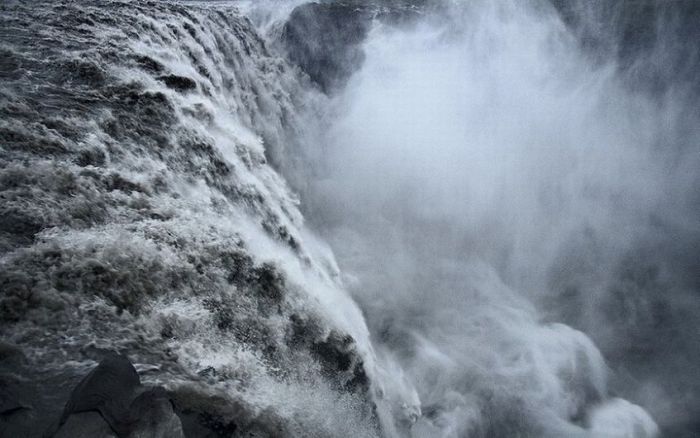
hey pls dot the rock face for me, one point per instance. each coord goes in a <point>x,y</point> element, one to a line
<point>324,40</point>
<point>108,389</point>
<point>179,83</point>
<point>16,409</point>
<point>110,401</point>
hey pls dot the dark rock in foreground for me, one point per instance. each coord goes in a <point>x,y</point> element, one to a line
<point>324,41</point>
<point>179,83</point>
<point>108,389</point>
<point>110,401</point>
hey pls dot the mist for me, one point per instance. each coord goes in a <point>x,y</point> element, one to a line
<point>381,219</point>
<point>509,208</point>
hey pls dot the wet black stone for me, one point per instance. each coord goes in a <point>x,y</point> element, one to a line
<point>18,295</point>
<point>217,424</point>
<point>90,157</point>
<point>20,140</point>
<point>17,409</point>
<point>151,414</point>
<point>179,83</point>
<point>85,72</point>
<point>269,281</point>
<point>303,331</point>
<point>110,401</point>
<point>85,425</point>
<point>210,416</point>
<point>341,362</point>
<point>66,130</point>
<point>10,65</point>
<point>118,182</point>
<point>207,372</point>
<point>324,39</point>
<point>149,64</point>
<point>19,223</point>
<point>107,389</point>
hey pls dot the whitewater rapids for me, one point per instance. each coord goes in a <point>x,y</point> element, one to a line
<point>346,219</point>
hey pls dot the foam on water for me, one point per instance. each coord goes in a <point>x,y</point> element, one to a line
<point>402,257</point>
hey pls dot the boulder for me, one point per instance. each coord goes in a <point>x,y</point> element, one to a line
<point>85,424</point>
<point>324,40</point>
<point>152,415</point>
<point>111,402</point>
<point>179,83</point>
<point>107,389</point>
<point>17,414</point>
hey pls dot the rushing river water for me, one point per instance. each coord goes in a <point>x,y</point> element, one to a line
<point>353,219</point>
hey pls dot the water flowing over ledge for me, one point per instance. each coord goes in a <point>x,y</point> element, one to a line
<point>338,219</point>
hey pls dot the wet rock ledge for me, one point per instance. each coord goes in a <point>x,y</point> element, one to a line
<point>109,402</point>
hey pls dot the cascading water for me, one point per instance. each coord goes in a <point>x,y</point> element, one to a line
<point>509,189</point>
<point>140,215</point>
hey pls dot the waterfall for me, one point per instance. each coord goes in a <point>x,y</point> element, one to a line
<point>349,219</point>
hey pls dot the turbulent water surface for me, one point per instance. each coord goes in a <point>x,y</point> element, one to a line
<point>400,218</point>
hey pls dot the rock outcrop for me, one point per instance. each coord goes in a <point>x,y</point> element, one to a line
<point>111,401</point>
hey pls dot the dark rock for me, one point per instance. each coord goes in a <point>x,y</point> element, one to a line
<point>11,397</point>
<point>17,413</point>
<point>179,83</point>
<point>84,425</point>
<point>207,372</point>
<point>269,281</point>
<point>205,415</point>
<point>324,41</point>
<point>86,72</point>
<point>20,139</point>
<point>153,416</point>
<point>149,64</point>
<point>91,157</point>
<point>340,361</point>
<point>17,297</point>
<point>118,182</point>
<point>212,416</point>
<point>220,426</point>
<point>10,65</point>
<point>17,423</point>
<point>111,402</point>
<point>337,353</point>
<point>107,389</point>
<point>10,354</point>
